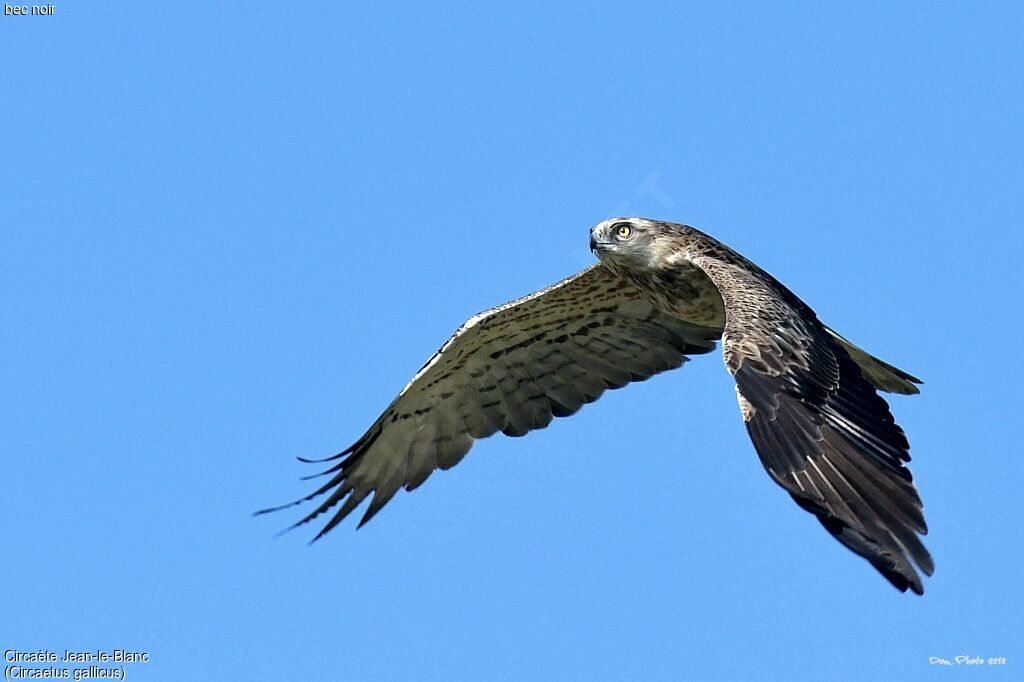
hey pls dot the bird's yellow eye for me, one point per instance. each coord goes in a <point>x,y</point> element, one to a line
<point>624,231</point>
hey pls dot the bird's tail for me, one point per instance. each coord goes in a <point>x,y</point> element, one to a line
<point>881,374</point>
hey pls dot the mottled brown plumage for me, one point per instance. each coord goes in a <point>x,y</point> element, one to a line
<point>661,292</point>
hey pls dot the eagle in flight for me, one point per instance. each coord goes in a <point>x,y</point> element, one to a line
<point>660,293</point>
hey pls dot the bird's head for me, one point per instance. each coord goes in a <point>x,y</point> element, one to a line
<point>627,245</point>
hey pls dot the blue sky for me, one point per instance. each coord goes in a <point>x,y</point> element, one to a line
<point>230,234</point>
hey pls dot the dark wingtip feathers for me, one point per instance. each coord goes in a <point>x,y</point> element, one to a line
<point>344,491</point>
<point>330,458</point>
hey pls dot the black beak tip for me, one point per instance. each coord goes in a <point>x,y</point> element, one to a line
<point>593,242</point>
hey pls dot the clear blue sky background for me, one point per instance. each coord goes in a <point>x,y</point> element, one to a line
<point>229,235</point>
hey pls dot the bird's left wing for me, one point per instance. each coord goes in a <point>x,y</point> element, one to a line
<point>510,369</point>
<point>819,427</point>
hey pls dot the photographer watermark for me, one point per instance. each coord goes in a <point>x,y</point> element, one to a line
<point>967,660</point>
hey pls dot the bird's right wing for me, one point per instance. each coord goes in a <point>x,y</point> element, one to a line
<point>509,369</point>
